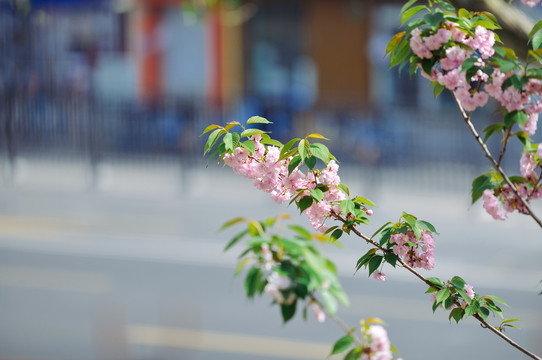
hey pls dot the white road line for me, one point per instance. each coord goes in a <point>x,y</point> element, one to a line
<point>225,342</point>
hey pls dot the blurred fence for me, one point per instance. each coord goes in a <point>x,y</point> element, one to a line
<point>94,129</point>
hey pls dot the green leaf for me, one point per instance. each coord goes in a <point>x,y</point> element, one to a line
<point>266,139</point>
<point>380,229</point>
<point>251,132</point>
<point>448,302</point>
<point>241,265</point>
<point>258,120</point>
<point>317,194</point>
<point>336,234</point>
<point>249,145</point>
<point>235,239</point>
<point>537,40</point>
<point>211,127</point>
<point>413,224</point>
<point>435,281</point>
<point>411,12</point>
<point>457,314</point>
<point>400,53</point>
<point>287,148</point>
<point>310,161</point>
<point>458,282</point>
<point>505,65</point>
<point>296,160</point>
<point>468,64</point>
<point>438,89</point>
<point>354,354</point>
<point>316,136</point>
<point>252,281</point>
<point>304,203</point>
<point>480,184</point>
<point>374,263</point>
<point>496,299</point>
<point>407,6</point>
<point>511,118</point>
<point>442,295</point>
<point>347,206</point>
<point>434,20</point>
<point>342,344</point>
<point>535,29</point>
<point>231,140</point>
<point>362,200</point>
<point>303,148</point>
<point>427,226</point>
<point>365,259</point>
<point>320,151</point>
<point>288,311</point>
<point>492,129</point>
<point>305,234</point>
<point>472,308</point>
<point>391,258</point>
<point>213,138</point>
<point>344,188</point>
<point>330,303</point>
<point>233,222</point>
<point>394,42</point>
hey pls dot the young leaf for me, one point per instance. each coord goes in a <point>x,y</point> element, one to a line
<point>320,151</point>
<point>337,233</point>
<point>251,132</point>
<point>303,148</point>
<point>411,12</point>
<point>365,259</point>
<point>354,354</point>
<point>317,194</point>
<point>394,42</point>
<point>407,6</point>
<point>316,136</point>
<point>296,160</point>
<point>286,148</point>
<point>252,281</point>
<point>310,161</point>
<point>305,234</point>
<point>211,127</point>
<point>342,344</point>
<point>480,184</point>
<point>258,120</point>
<point>235,239</point>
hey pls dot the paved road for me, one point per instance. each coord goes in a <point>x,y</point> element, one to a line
<point>139,273</point>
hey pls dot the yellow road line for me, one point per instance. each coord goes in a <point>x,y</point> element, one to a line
<point>225,342</point>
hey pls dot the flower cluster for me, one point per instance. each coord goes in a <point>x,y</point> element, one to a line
<point>530,3</point>
<point>417,253</point>
<point>378,344</point>
<point>450,47</point>
<point>272,176</point>
<point>502,200</point>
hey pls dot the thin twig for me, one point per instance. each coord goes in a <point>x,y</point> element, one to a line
<point>503,150</point>
<point>466,118</point>
<point>339,321</point>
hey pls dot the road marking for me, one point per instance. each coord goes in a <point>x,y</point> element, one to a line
<point>225,342</point>
<point>54,279</point>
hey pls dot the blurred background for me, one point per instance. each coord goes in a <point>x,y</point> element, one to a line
<point>109,214</point>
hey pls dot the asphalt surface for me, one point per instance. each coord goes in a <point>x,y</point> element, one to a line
<point>132,267</point>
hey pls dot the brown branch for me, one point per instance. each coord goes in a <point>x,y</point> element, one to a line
<point>466,118</point>
<point>420,276</point>
<point>505,143</point>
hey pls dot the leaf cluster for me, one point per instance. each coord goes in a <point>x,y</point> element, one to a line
<point>453,296</point>
<point>311,274</point>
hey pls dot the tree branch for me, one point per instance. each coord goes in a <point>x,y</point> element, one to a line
<point>466,118</point>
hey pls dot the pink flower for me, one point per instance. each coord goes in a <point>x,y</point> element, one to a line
<point>539,151</point>
<point>380,343</point>
<point>470,292</point>
<point>379,276</point>
<point>318,312</point>
<point>530,3</point>
<point>454,58</point>
<point>530,126</point>
<point>512,99</point>
<point>452,79</point>
<point>418,46</point>
<point>491,204</point>
<point>471,102</point>
<point>482,41</point>
<point>527,165</point>
<point>435,42</point>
